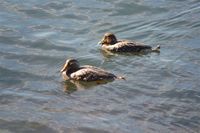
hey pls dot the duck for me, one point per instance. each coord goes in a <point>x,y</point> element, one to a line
<point>110,43</point>
<point>73,71</point>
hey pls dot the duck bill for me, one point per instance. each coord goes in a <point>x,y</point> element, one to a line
<point>64,68</point>
<point>100,42</point>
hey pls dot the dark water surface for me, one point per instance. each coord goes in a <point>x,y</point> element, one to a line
<point>161,93</point>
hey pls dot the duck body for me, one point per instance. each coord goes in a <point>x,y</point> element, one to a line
<point>72,71</point>
<point>110,43</point>
<point>127,46</point>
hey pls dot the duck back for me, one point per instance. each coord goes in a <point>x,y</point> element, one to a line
<point>127,46</point>
<point>90,73</point>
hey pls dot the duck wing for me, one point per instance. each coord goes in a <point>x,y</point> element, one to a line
<point>127,46</point>
<point>90,73</point>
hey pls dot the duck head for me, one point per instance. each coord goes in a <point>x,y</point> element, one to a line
<point>70,64</point>
<point>108,39</point>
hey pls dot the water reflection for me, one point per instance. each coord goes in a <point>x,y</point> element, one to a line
<point>70,86</point>
<point>109,54</point>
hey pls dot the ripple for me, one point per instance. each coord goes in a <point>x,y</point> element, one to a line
<point>11,75</point>
<point>57,5</point>
<point>187,95</point>
<point>44,44</point>
<point>195,25</point>
<point>6,99</point>
<point>37,13</point>
<point>41,27</point>
<point>161,91</point>
<point>31,59</point>
<point>9,40</point>
<point>24,126</point>
<point>91,130</point>
<point>75,16</point>
<point>133,8</point>
<point>6,29</point>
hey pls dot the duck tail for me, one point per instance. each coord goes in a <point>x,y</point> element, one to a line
<point>156,49</point>
<point>121,77</point>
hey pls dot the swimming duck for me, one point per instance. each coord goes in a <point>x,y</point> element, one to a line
<point>109,42</point>
<point>72,71</point>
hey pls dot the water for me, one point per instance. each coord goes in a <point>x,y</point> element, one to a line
<point>161,93</point>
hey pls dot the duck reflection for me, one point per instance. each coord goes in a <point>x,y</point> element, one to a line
<point>70,86</point>
<point>108,54</point>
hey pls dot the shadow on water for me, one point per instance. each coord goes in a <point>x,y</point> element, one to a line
<point>19,126</point>
<point>109,54</point>
<point>70,86</point>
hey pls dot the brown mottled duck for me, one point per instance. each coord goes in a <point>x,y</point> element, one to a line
<point>72,71</point>
<point>110,43</point>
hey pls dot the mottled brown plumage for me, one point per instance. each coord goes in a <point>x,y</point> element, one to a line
<point>109,42</point>
<point>72,71</point>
